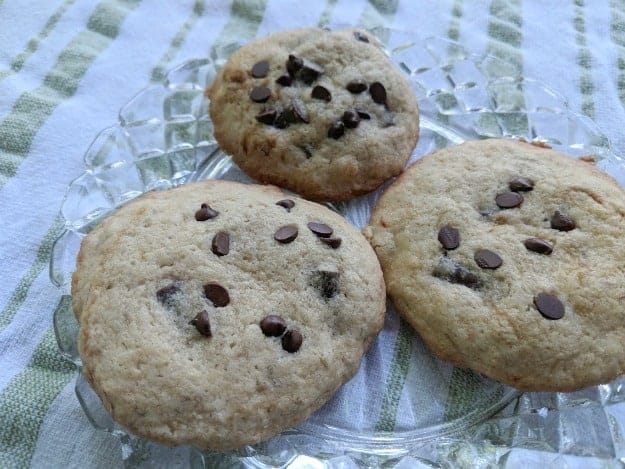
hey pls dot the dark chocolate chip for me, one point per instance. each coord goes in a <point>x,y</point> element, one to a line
<point>299,110</point>
<point>307,149</point>
<point>320,229</point>
<point>326,281</point>
<point>282,120</point>
<point>202,323</point>
<point>336,130</point>
<point>538,245</point>
<point>452,272</point>
<point>310,72</point>
<point>273,325</point>
<point>360,36</point>
<point>289,116</point>
<point>217,294</point>
<point>260,69</point>
<point>508,200</point>
<point>487,259</point>
<point>267,116</point>
<point>549,306</point>
<point>284,80</point>
<point>363,114</point>
<point>221,243</point>
<point>521,184</point>
<point>351,119</point>
<point>377,92</point>
<point>334,243</point>
<point>449,237</point>
<point>356,86</point>
<point>292,340</point>
<point>260,94</point>
<point>562,222</point>
<point>165,294</point>
<point>294,64</point>
<point>320,92</point>
<point>286,234</point>
<point>205,213</point>
<point>286,203</point>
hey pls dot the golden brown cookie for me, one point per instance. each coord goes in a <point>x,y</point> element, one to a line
<point>508,259</point>
<point>324,114</point>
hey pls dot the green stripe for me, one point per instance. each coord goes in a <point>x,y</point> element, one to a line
<point>48,374</point>
<point>396,379</point>
<point>245,18</point>
<point>26,399</point>
<point>453,32</point>
<point>33,108</point>
<point>158,72</point>
<point>617,33</point>
<point>41,261</point>
<point>584,60</point>
<point>33,44</point>
<point>326,14</point>
<point>504,31</point>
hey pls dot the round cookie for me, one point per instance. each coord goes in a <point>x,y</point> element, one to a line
<point>218,314</point>
<point>507,259</point>
<point>324,114</point>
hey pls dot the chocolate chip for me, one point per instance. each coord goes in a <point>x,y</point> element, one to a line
<point>549,306</point>
<point>452,272</point>
<point>260,69</point>
<point>320,92</point>
<point>284,80</point>
<point>487,259</point>
<point>286,234</point>
<point>377,92</point>
<point>562,222</point>
<point>310,72</point>
<point>286,203</point>
<point>326,281</point>
<point>221,243</point>
<point>356,86</point>
<point>217,294</point>
<point>205,213</point>
<point>282,120</point>
<point>292,340</point>
<point>299,110</point>
<point>336,130</point>
<point>260,94</point>
<point>267,116</point>
<point>521,184</point>
<point>360,36</point>
<point>289,116</point>
<point>449,237</point>
<point>334,243</point>
<point>165,294</point>
<point>363,114</point>
<point>294,64</point>
<point>508,199</point>
<point>538,245</point>
<point>320,229</point>
<point>307,149</point>
<point>273,325</point>
<point>202,323</point>
<point>351,119</point>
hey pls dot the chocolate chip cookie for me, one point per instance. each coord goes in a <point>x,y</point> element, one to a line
<point>508,259</point>
<point>218,314</point>
<point>324,114</point>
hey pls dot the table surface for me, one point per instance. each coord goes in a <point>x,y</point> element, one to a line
<point>66,68</point>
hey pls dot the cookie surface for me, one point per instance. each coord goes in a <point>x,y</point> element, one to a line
<point>508,259</point>
<point>324,114</point>
<point>221,325</point>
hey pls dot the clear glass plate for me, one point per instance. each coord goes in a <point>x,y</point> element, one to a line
<point>164,139</point>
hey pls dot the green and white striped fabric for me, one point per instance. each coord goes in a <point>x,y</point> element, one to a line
<point>67,66</point>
